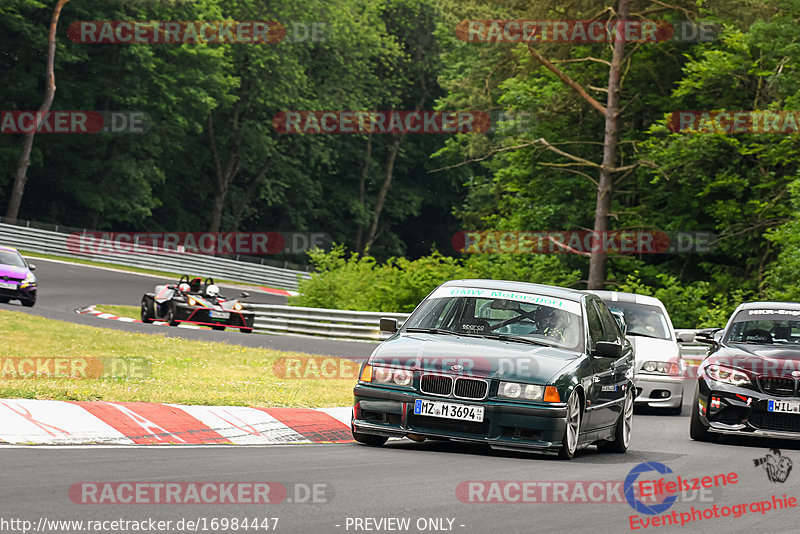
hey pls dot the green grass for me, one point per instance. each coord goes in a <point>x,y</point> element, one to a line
<point>165,274</point>
<point>119,310</point>
<point>181,371</point>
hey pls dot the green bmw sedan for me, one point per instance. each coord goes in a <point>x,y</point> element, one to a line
<point>516,365</point>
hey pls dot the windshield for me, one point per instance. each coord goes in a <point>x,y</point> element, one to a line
<point>524,317</point>
<point>766,327</point>
<point>643,320</point>
<point>11,258</point>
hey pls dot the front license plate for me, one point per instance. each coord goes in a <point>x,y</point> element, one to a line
<point>218,314</point>
<point>780,406</point>
<point>8,285</point>
<point>448,410</point>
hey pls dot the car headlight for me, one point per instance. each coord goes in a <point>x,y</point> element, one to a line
<point>30,279</point>
<point>237,306</point>
<point>514,390</point>
<point>387,375</point>
<point>727,375</point>
<point>663,368</point>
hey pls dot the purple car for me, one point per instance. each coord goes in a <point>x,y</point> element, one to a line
<point>16,278</point>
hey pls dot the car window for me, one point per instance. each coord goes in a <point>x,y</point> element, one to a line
<point>11,258</point>
<point>493,313</point>
<point>611,330</point>
<point>766,326</point>
<point>595,323</point>
<point>644,320</point>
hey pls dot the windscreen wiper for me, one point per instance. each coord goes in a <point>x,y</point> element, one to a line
<point>521,339</point>
<point>643,335</point>
<point>433,331</point>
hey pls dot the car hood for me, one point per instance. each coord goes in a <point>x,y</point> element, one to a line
<point>13,272</point>
<point>758,359</point>
<point>656,350</point>
<point>481,357</point>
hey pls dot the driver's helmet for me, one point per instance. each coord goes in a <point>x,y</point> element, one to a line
<point>212,290</point>
<point>184,287</point>
<point>552,323</point>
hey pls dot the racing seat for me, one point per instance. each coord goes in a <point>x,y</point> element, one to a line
<point>196,285</point>
<point>783,332</point>
<point>757,334</point>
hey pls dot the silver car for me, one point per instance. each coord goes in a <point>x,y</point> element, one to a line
<point>660,369</point>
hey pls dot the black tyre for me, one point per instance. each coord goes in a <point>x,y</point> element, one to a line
<point>246,330</point>
<point>170,318</point>
<point>697,430</point>
<point>622,432</point>
<point>28,303</point>
<point>3,300</point>
<point>369,439</point>
<point>145,314</point>
<point>572,432</point>
<point>217,327</point>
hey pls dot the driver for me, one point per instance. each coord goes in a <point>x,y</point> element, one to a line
<point>552,323</point>
<point>212,290</point>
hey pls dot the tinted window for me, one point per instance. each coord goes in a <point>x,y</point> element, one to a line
<point>495,313</point>
<point>611,330</point>
<point>643,320</point>
<point>11,258</point>
<point>766,326</point>
<point>595,324</point>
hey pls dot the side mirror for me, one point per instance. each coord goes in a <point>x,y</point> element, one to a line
<point>244,295</point>
<point>709,336</point>
<point>684,336</point>
<point>607,349</point>
<point>388,325</point>
<point>32,267</point>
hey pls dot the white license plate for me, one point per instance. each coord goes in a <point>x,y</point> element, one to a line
<point>218,314</point>
<point>448,410</point>
<point>8,285</point>
<point>783,406</point>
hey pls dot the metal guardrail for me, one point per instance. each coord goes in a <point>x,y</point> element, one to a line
<point>341,324</point>
<point>51,242</point>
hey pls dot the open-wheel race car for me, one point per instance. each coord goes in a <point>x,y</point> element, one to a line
<point>196,301</point>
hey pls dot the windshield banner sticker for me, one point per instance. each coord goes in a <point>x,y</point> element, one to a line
<point>552,302</point>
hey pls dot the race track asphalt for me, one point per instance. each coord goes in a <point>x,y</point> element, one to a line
<point>64,287</point>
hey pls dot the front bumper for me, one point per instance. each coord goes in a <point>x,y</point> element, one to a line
<point>657,391</point>
<point>730,409</point>
<point>201,316</point>
<point>22,291</point>
<point>389,412</point>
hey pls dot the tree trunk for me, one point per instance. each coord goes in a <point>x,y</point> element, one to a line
<point>24,162</point>
<point>597,262</point>
<point>388,172</point>
<point>362,187</point>
<point>225,176</point>
<point>249,191</point>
